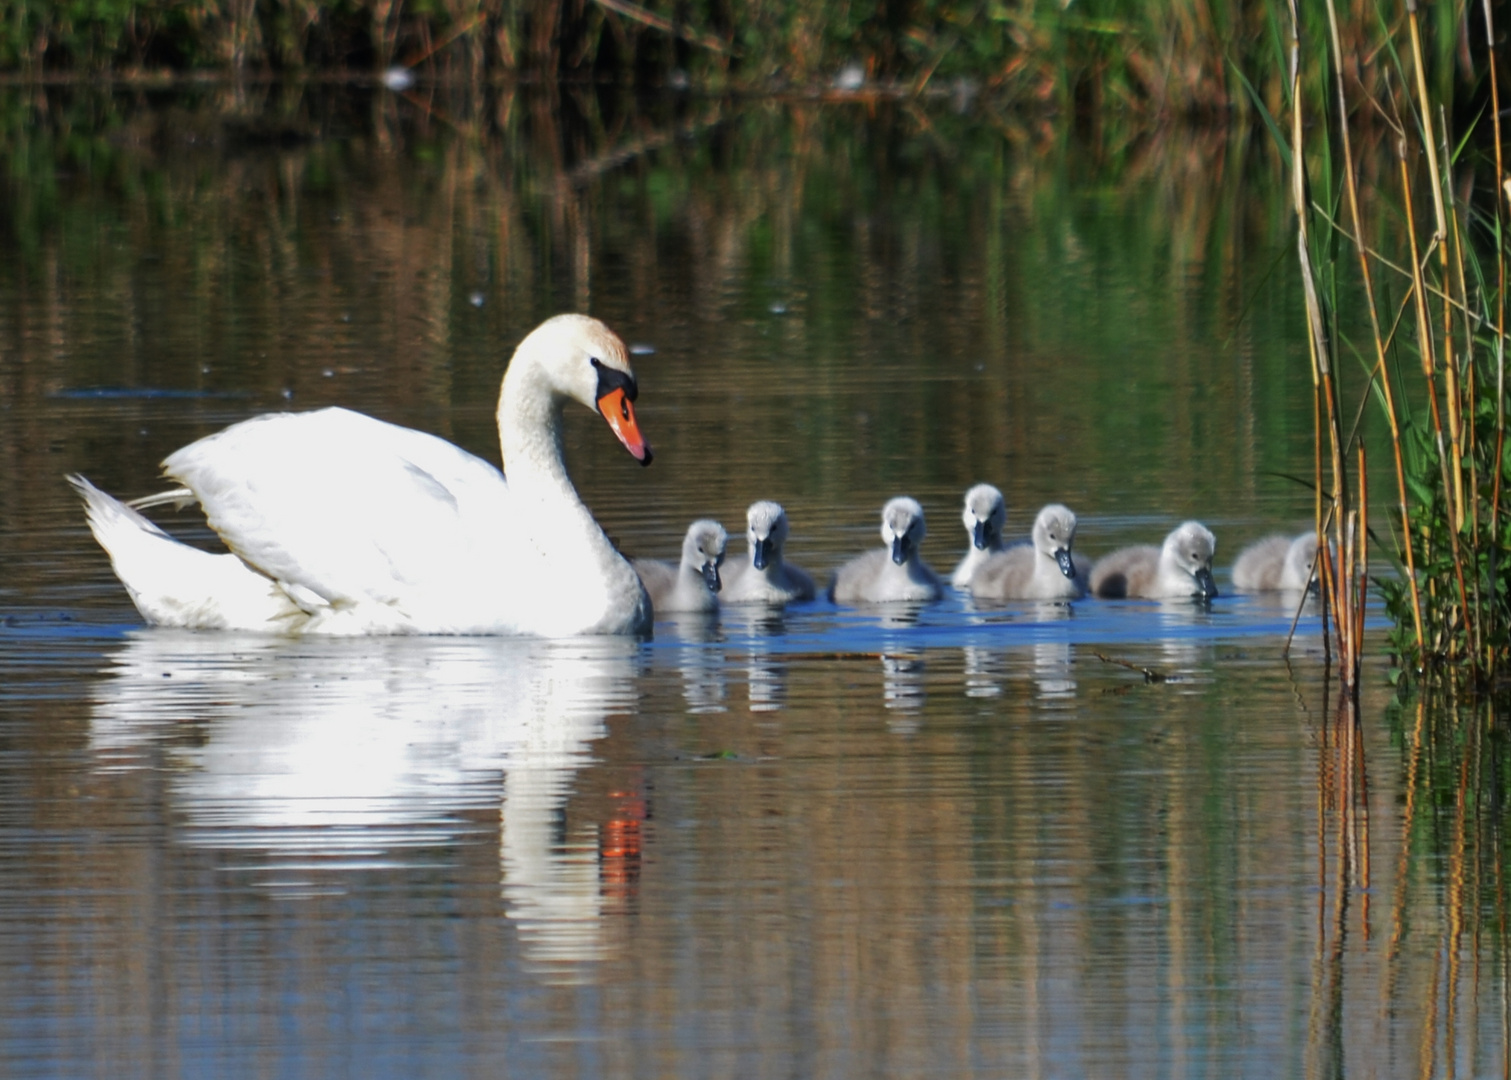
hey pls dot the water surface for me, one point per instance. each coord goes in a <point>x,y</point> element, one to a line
<point>1097,839</point>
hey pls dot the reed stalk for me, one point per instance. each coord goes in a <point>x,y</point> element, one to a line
<point>1447,521</point>
<point>1500,322</point>
<point>1337,579</point>
<point>1380,374</point>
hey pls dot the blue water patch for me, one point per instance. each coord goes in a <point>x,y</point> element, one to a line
<point>826,628</point>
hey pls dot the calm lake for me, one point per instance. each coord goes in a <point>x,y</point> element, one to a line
<point>826,842</point>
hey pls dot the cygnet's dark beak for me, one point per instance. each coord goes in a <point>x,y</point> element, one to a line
<point>760,555</point>
<point>979,535</point>
<point>1204,583</point>
<point>899,549</point>
<point>1068,568</point>
<point>711,576</point>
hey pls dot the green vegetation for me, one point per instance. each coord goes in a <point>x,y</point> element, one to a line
<point>1401,216</point>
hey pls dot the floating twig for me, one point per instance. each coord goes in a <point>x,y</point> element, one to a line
<point>1149,674</point>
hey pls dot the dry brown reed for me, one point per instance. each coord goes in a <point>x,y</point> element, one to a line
<point>1449,598</point>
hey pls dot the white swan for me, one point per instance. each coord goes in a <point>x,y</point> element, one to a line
<point>766,577</point>
<point>1276,564</point>
<point>693,584</point>
<point>1182,567</point>
<point>342,524</point>
<point>984,516</point>
<point>894,573</point>
<point>1042,569</point>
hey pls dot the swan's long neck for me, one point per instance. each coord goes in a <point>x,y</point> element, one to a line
<point>529,427</point>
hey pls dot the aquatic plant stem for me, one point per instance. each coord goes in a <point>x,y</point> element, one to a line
<point>1429,367</point>
<point>1322,371</point>
<point>1453,486</point>
<point>1352,187</point>
<point>1500,332</point>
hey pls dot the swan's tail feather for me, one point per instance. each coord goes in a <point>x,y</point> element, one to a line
<point>178,497</point>
<point>173,584</point>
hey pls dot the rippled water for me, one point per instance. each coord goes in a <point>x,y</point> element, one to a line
<point>1101,839</point>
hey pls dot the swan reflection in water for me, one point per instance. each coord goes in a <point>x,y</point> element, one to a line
<point>700,659</point>
<point>754,627</point>
<point>330,755</point>
<point>986,666</point>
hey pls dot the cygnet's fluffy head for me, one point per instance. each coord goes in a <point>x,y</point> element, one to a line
<point>1054,534</point>
<point>984,515</point>
<point>703,551</point>
<point>902,527</point>
<point>765,532</point>
<point>1298,572</point>
<point>578,357</point>
<point>1191,547</point>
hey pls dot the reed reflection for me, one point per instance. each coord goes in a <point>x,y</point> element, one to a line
<point>322,756</point>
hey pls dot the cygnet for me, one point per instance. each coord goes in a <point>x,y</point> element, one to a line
<point>1182,567</point>
<point>765,578</point>
<point>1276,564</point>
<point>1042,569</point>
<point>895,572</point>
<point>984,516</point>
<point>694,584</point>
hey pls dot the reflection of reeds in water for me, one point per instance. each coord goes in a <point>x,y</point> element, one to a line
<point>1452,821</point>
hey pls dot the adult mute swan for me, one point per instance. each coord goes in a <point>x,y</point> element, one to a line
<point>1182,567</point>
<point>895,572</point>
<point>766,577</point>
<point>1042,569</point>
<point>341,524</point>
<point>984,516</point>
<point>1277,563</point>
<point>693,584</point>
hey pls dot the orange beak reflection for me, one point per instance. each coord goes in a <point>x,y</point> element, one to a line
<point>620,414</point>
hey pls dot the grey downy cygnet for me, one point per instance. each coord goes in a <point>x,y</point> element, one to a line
<point>894,572</point>
<point>1277,563</point>
<point>1042,569</point>
<point>693,584</point>
<point>984,516</point>
<point>1182,567</point>
<point>765,577</point>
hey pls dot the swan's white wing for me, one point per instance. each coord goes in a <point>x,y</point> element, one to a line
<point>355,510</point>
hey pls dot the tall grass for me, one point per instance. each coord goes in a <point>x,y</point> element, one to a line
<point>1427,236</point>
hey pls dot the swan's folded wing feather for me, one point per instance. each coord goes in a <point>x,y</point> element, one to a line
<point>351,508</point>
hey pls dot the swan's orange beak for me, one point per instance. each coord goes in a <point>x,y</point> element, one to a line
<point>617,410</point>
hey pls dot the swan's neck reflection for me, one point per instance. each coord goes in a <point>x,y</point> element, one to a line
<point>327,755</point>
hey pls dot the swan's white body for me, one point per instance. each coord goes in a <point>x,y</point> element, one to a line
<point>693,583</point>
<point>984,516</point>
<point>1181,567</point>
<point>1276,564</point>
<point>341,524</point>
<point>1042,569</point>
<point>765,577</point>
<point>892,574</point>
